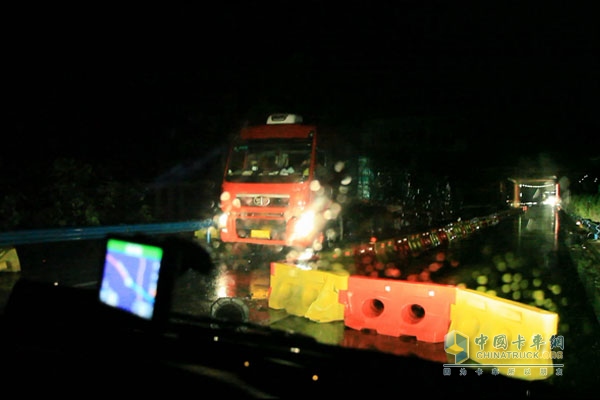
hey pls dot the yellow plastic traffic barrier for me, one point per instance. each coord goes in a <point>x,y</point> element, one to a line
<point>9,260</point>
<point>508,337</point>
<point>307,293</point>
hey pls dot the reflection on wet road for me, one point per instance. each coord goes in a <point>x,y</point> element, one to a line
<point>523,257</point>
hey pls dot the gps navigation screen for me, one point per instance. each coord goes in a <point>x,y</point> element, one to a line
<point>130,277</point>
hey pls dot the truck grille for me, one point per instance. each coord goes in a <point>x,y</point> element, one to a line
<point>261,200</point>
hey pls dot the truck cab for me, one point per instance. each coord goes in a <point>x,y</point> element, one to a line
<point>272,190</point>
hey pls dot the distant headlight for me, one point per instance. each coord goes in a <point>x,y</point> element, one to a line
<point>551,201</point>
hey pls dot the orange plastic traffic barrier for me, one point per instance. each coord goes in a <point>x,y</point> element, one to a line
<point>514,338</point>
<point>393,307</point>
<point>307,293</point>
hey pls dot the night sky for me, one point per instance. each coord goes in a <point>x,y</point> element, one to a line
<point>153,87</point>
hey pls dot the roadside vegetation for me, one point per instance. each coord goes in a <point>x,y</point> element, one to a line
<point>70,193</point>
<point>585,206</point>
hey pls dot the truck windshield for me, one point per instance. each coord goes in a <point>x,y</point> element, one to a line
<point>269,161</point>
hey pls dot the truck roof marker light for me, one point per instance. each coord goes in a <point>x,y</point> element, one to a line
<point>283,118</point>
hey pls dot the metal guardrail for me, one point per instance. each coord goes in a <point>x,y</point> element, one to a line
<point>13,238</point>
<point>97,232</point>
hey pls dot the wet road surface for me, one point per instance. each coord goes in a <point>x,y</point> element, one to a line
<point>524,258</point>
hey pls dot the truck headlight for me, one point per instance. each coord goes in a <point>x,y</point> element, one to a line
<point>305,224</point>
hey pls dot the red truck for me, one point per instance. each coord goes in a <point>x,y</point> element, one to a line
<point>272,190</point>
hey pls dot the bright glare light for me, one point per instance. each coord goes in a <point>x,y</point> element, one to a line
<point>305,224</point>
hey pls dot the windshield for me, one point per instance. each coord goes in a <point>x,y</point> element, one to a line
<point>270,161</point>
<point>439,235</point>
